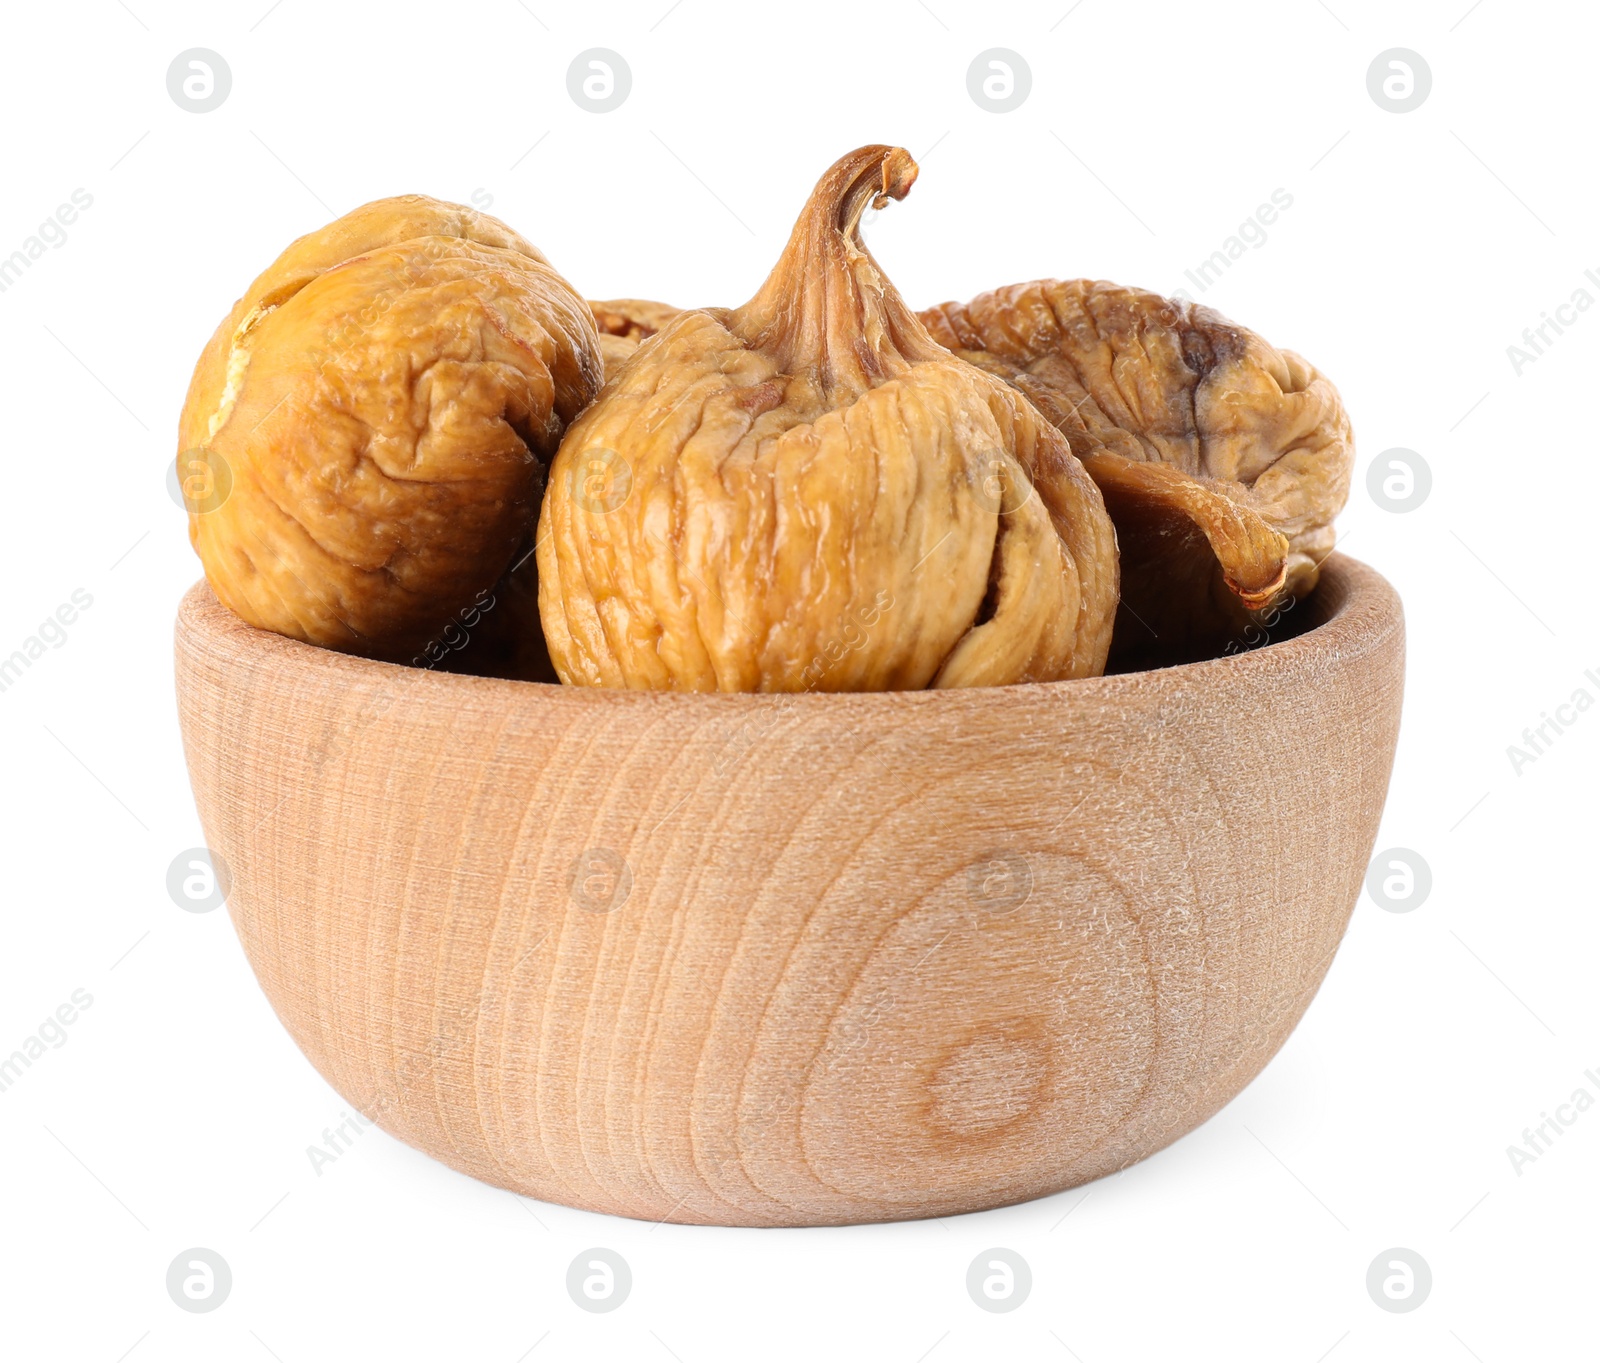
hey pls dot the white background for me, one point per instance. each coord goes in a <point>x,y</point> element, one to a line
<point>1418,247</point>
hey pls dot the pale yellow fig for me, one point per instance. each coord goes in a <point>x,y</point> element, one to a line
<point>809,493</point>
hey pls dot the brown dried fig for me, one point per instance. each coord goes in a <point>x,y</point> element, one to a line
<point>364,436</point>
<point>808,493</point>
<point>624,322</point>
<point>1223,461</point>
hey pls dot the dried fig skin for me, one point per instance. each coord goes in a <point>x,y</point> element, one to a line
<point>1166,381</point>
<point>383,222</point>
<point>631,319</point>
<point>796,462</point>
<point>384,417</point>
<point>1215,451</point>
<point>624,323</point>
<point>1251,556</point>
<point>1180,541</point>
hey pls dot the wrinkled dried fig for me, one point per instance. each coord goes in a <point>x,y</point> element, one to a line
<point>808,493</point>
<point>1223,461</point>
<point>625,322</point>
<point>364,436</point>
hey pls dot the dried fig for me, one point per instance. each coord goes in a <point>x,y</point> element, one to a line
<point>808,493</point>
<point>364,436</point>
<point>625,322</point>
<point>1223,460</point>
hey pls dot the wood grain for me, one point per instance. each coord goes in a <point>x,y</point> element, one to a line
<point>760,960</point>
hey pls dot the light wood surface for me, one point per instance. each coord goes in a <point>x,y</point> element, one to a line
<point>866,957</point>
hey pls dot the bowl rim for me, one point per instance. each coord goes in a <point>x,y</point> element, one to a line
<point>1361,610</point>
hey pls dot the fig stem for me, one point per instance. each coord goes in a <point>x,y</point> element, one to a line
<point>897,172</point>
<point>827,309</point>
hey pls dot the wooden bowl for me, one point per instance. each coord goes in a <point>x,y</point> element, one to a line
<point>793,960</point>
